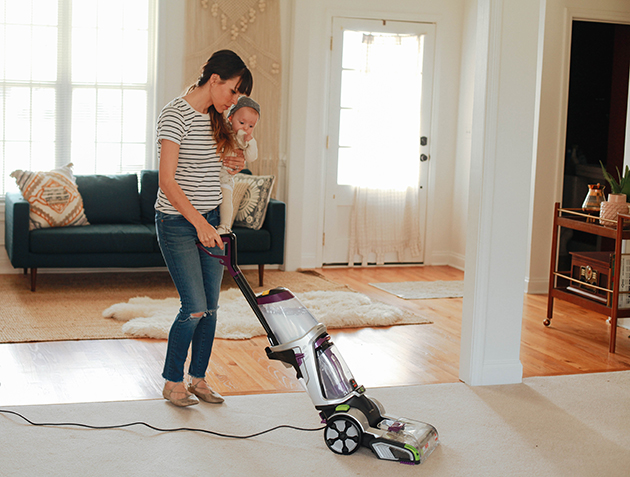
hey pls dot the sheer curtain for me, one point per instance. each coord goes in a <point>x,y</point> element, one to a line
<point>381,95</point>
<point>383,221</point>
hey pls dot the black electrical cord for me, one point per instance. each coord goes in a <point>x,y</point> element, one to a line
<point>120,426</point>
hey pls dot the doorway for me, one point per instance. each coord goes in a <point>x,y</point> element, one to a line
<point>379,121</point>
<point>596,119</point>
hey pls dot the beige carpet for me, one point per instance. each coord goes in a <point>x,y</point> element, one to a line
<point>70,306</point>
<point>423,290</point>
<point>552,426</point>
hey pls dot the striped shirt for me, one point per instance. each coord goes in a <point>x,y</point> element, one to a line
<point>198,165</point>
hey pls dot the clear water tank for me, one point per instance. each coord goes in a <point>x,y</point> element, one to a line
<point>287,317</point>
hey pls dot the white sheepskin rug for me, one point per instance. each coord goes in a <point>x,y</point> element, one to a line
<point>147,317</point>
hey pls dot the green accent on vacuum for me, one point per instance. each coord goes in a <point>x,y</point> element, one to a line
<point>414,451</point>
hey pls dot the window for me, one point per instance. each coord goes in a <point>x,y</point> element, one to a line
<point>76,85</point>
<point>370,109</point>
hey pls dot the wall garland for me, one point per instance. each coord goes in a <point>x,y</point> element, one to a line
<point>251,28</point>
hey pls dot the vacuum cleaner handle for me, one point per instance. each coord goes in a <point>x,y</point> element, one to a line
<point>229,261</point>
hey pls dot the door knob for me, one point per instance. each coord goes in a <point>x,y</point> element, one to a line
<point>424,158</point>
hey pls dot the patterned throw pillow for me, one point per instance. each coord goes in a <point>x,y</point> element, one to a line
<point>53,196</point>
<point>253,206</point>
<point>239,191</point>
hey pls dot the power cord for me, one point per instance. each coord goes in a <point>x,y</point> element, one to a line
<point>219,434</point>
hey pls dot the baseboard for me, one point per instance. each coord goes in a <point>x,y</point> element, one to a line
<point>458,261</point>
<point>451,259</point>
<point>508,372</point>
<point>438,259</point>
<point>537,286</point>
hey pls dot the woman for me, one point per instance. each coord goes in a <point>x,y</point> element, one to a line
<point>191,135</point>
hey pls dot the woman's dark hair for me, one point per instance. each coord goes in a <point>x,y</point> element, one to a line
<point>228,65</point>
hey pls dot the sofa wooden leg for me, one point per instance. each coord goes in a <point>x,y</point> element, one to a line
<point>261,274</point>
<point>33,279</point>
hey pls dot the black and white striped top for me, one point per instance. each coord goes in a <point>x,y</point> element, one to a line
<point>199,164</point>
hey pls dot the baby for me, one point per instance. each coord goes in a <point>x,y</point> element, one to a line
<point>243,118</point>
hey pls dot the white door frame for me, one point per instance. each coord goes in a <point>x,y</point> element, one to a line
<point>551,134</point>
<point>307,93</point>
<point>336,197</point>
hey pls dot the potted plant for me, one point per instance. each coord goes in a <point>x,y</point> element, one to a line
<point>616,203</point>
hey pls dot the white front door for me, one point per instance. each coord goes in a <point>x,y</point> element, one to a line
<point>379,114</point>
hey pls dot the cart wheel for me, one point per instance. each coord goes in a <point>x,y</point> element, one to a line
<point>342,435</point>
<point>547,322</point>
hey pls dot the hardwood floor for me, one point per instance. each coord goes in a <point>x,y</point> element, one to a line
<point>111,370</point>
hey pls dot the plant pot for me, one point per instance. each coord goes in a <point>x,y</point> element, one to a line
<point>615,205</point>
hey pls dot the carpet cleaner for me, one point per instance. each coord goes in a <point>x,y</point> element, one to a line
<point>299,341</point>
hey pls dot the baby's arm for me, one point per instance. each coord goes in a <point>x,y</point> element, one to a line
<point>251,151</point>
<point>250,148</point>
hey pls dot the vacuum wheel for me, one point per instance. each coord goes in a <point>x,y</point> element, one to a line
<point>342,435</point>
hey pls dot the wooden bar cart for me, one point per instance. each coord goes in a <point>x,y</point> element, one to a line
<point>603,298</point>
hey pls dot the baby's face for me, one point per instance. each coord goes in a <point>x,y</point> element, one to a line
<point>245,119</point>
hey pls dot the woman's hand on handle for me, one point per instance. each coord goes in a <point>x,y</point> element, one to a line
<point>208,236</point>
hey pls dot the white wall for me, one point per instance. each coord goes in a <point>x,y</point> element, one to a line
<point>461,173</point>
<point>549,166</point>
<point>307,128</point>
<point>171,39</point>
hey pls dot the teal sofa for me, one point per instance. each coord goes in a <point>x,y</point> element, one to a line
<point>122,230</point>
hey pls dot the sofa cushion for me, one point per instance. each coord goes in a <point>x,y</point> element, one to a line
<point>250,240</point>
<point>110,199</point>
<point>53,196</point>
<point>99,238</point>
<point>149,183</point>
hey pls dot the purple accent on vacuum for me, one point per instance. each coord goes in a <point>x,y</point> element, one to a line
<point>319,342</point>
<point>225,260</point>
<point>274,297</point>
<point>396,427</point>
<point>299,357</point>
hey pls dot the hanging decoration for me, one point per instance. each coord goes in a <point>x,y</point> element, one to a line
<point>251,28</point>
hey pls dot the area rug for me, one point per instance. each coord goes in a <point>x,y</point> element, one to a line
<point>69,306</point>
<point>150,318</point>
<point>423,290</point>
<point>546,427</point>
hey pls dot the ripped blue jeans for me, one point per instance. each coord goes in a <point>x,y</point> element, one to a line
<point>197,278</point>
